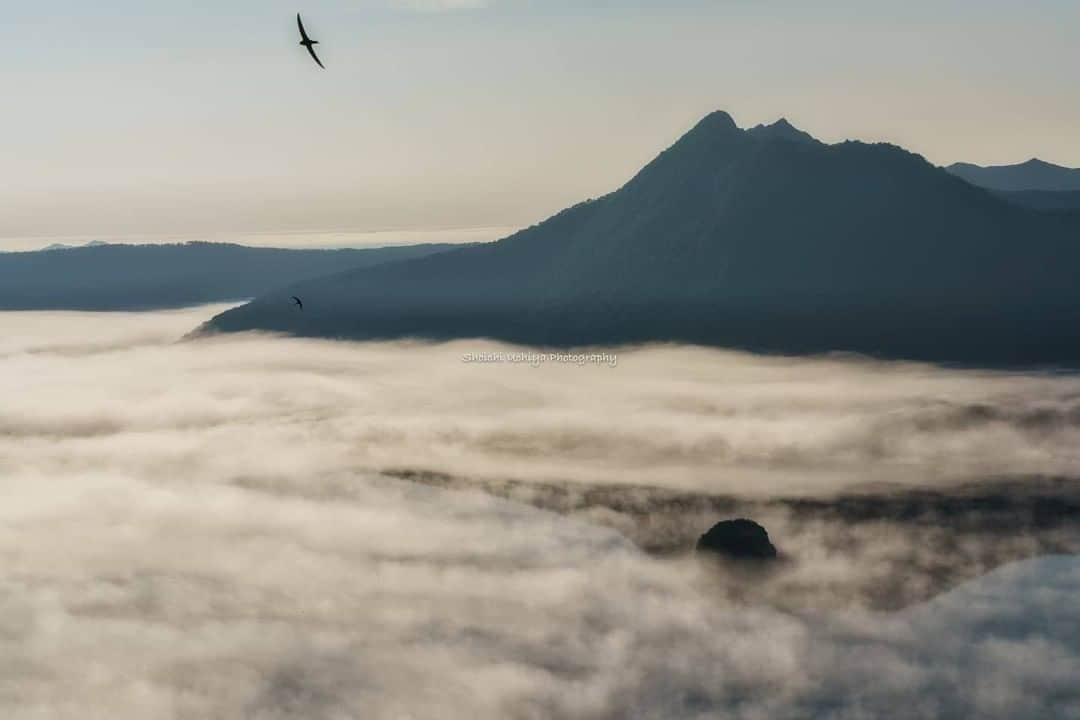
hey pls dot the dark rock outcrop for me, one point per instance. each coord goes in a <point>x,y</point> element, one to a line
<point>738,539</point>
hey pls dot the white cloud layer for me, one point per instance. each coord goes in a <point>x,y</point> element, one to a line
<point>199,530</point>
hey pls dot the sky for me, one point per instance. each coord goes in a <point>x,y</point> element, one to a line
<point>130,120</point>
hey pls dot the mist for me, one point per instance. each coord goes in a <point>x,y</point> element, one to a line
<point>263,527</point>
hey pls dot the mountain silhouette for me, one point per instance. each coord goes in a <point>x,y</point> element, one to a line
<point>66,246</point>
<point>1034,184</point>
<point>763,239</point>
<point>1034,174</point>
<point>99,276</point>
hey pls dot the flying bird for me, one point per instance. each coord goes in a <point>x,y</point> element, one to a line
<point>298,302</point>
<point>308,42</point>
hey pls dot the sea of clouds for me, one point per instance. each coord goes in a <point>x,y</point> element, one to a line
<point>206,529</point>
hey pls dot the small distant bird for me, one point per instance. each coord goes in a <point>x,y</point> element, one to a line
<point>298,302</point>
<point>308,42</point>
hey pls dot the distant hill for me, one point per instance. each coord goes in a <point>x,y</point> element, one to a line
<point>761,239</point>
<point>1034,174</point>
<point>127,277</point>
<point>65,246</point>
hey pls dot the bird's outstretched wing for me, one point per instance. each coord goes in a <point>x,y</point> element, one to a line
<point>298,302</point>
<point>308,42</point>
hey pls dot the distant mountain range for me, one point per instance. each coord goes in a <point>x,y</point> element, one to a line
<point>99,276</point>
<point>1035,183</point>
<point>764,239</point>
<point>65,246</point>
<point>1034,174</point>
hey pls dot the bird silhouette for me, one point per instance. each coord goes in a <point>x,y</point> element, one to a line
<point>298,302</point>
<point>308,42</point>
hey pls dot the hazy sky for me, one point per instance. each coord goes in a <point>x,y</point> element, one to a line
<point>138,119</point>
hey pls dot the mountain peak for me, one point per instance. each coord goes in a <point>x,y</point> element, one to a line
<point>783,130</point>
<point>717,124</point>
<point>1042,164</point>
<point>715,130</point>
<point>717,120</point>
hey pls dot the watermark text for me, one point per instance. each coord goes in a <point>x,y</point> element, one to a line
<point>536,359</point>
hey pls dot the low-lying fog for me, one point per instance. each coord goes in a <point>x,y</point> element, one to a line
<point>219,529</point>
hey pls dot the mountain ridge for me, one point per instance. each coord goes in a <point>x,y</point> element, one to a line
<point>1030,175</point>
<point>139,277</point>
